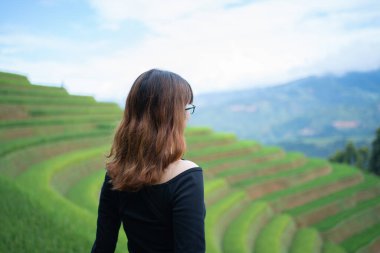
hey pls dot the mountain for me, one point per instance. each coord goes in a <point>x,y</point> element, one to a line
<point>314,115</point>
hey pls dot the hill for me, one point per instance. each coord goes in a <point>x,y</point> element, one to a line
<point>258,198</point>
<point>314,115</point>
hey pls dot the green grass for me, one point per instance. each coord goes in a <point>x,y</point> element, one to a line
<point>74,111</point>
<point>230,161</point>
<point>306,240</point>
<point>338,173</point>
<point>20,132</point>
<point>69,100</point>
<point>291,175</point>
<point>361,239</point>
<point>204,139</point>
<point>267,150</point>
<point>213,185</point>
<point>271,237</point>
<point>13,79</point>
<point>56,92</point>
<point>215,189</point>
<point>27,87</point>
<point>370,182</point>
<point>31,225</point>
<point>18,144</point>
<point>12,166</point>
<point>214,214</point>
<point>197,131</point>
<point>63,180</point>
<point>256,166</point>
<point>369,247</point>
<point>85,192</point>
<point>59,121</point>
<point>334,220</point>
<point>241,233</point>
<point>236,146</point>
<point>39,175</point>
<point>37,180</point>
<point>329,247</point>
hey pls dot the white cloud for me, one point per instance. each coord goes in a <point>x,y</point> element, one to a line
<point>259,43</point>
<point>150,12</point>
<point>215,48</point>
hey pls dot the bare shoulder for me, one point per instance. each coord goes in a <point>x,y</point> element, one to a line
<point>187,164</point>
<point>177,168</point>
<point>182,165</point>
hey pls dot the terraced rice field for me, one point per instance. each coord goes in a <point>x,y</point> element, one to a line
<point>258,198</point>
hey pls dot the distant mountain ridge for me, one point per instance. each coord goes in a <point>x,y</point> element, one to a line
<point>314,115</point>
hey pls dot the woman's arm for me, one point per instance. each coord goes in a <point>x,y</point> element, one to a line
<point>108,223</point>
<point>188,215</point>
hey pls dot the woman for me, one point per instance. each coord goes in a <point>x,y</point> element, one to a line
<point>148,187</point>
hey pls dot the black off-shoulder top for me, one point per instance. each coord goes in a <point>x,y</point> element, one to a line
<point>167,217</point>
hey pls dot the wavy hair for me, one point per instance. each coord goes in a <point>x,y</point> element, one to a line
<point>150,135</point>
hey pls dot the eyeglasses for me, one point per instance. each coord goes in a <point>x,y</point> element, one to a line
<point>190,108</point>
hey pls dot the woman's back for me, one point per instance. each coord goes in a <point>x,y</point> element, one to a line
<point>165,217</point>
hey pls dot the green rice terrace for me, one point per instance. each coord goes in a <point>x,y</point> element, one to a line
<point>258,198</point>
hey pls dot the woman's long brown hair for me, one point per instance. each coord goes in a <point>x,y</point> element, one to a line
<point>150,135</point>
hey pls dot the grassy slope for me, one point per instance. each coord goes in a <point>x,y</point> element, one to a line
<point>28,225</point>
<point>67,218</point>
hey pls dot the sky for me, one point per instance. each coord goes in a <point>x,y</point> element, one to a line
<point>99,47</point>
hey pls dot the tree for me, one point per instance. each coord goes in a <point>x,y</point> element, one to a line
<point>338,157</point>
<point>363,157</point>
<point>352,156</point>
<point>374,161</point>
<point>360,157</point>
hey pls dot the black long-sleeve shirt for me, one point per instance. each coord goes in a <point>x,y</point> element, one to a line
<point>167,217</point>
